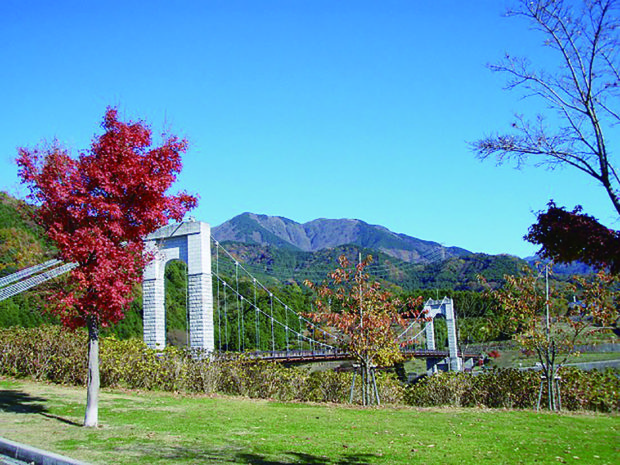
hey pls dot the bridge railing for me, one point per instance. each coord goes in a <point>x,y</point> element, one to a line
<point>26,272</point>
<point>33,279</point>
<point>330,354</point>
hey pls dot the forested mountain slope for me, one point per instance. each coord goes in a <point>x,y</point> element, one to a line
<point>321,234</point>
<point>457,273</point>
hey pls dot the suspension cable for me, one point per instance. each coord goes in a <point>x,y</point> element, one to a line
<point>219,311</point>
<point>239,265</point>
<point>272,298</point>
<point>257,317</point>
<point>225,316</point>
<point>238,312</point>
<point>273,340</point>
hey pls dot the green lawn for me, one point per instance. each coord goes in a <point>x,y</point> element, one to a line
<point>146,427</point>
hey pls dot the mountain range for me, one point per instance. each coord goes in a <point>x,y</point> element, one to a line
<point>288,251</point>
<point>322,233</point>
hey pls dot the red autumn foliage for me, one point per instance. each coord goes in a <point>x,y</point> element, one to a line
<point>97,209</point>
<point>494,354</point>
<point>567,236</point>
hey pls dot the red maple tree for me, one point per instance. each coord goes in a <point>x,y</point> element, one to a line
<point>97,209</point>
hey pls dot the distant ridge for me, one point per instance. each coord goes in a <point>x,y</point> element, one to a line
<point>322,233</point>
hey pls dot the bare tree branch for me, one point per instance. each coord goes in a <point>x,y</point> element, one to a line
<point>583,93</point>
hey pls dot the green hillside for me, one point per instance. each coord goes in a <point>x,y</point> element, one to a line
<point>23,244</point>
<point>456,273</point>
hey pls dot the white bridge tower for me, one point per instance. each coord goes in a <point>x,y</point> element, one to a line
<point>445,308</point>
<point>191,243</point>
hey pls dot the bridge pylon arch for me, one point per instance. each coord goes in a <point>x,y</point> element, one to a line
<point>191,243</point>
<point>444,307</point>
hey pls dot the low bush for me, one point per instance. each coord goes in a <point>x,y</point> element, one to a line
<point>449,389</point>
<point>511,388</point>
<point>327,386</point>
<point>57,355</point>
<point>46,353</point>
<point>590,390</point>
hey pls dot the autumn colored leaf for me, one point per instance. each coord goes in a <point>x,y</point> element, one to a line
<point>98,207</point>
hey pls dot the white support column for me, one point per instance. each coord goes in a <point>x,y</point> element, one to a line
<point>430,335</point>
<point>455,361</point>
<point>201,334</point>
<point>443,307</point>
<point>201,312</point>
<point>154,313</point>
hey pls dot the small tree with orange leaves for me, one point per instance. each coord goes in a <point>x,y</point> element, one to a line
<point>365,319</point>
<point>550,326</point>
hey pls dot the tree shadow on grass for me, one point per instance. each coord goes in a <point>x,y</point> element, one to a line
<point>182,454</point>
<point>21,402</point>
<point>348,459</point>
<point>13,401</point>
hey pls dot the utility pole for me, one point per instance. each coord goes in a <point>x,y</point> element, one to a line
<point>359,270</point>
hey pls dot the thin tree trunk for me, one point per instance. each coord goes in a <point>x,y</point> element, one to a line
<point>91,418</point>
<point>364,386</point>
<point>554,385</point>
<point>550,388</point>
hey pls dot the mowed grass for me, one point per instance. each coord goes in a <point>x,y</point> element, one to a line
<point>150,428</point>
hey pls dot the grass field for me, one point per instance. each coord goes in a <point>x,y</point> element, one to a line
<point>147,427</point>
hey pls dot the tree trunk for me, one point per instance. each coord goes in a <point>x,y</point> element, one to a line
<point>550,393</point>
<point>549,370</point>
<point>92,390</point>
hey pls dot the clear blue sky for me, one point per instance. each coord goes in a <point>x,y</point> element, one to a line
<point>297,108</point>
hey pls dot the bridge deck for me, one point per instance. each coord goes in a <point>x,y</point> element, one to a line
<point>304,356</point>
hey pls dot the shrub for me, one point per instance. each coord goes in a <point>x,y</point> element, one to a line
<point>391,390</point>
<point>510,388</point>
<point>590,390</point>
<point>258,379</point>
<point>447,389</point>
<point>327,386</point>
<point>46,353</point>
<point>130,363</point>
<point>507,388</point>
<point>58,355</point>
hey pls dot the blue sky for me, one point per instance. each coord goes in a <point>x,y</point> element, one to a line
<point>297,108</point>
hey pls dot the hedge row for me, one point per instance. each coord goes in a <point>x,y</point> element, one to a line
<point>59,356</point>
<point>511,388</point>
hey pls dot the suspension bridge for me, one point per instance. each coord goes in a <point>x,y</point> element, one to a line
<point>231,311</point>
